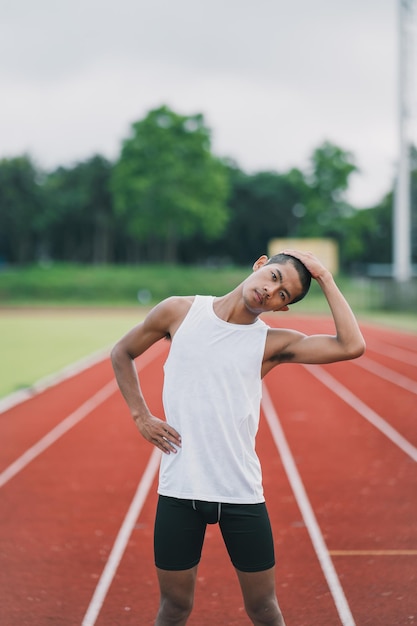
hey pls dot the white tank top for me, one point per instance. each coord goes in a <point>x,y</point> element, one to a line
<point>212,393</point>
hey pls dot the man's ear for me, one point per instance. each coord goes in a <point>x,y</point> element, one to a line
<point>260,262</point>
<point>284,308</point>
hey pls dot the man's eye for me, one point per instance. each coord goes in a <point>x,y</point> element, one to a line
<point>274,276</point>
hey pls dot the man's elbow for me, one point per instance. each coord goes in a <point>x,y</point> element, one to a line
<point>115,354</point>
<point>357,349</point>
<point>120,354</point>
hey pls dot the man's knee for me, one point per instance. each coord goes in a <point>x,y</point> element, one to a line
<point>260,599</point>
<point>177,596</point>
<point>265,611</point>
<point>175,610</point>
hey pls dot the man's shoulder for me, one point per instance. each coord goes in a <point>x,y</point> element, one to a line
<point>177,302</point>
<point>174,307</point>
<point>173,311</point>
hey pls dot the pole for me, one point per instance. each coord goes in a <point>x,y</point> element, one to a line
<point>402,208</point>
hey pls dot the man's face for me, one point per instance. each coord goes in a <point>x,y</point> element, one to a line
<point>271,287</point>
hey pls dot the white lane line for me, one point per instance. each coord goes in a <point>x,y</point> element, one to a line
<point>306,509</point>
<point>67,423</point>
<point>393,352</point>
<point>360,407</point>
<point>122,539</point>
<point>387,374</point>
<point>57,432</point>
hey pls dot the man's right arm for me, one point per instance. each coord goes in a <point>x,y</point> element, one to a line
<point>156,325</point>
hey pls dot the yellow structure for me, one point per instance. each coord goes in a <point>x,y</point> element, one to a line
<point>324,249</point>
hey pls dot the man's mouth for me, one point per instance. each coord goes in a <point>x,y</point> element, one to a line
<point>259,297</point>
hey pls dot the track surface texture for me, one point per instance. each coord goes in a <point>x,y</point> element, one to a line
<point>338,446</point>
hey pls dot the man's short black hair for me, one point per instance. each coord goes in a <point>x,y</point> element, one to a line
<point>303,273</point>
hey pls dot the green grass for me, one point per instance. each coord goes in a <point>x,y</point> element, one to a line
<point>64,285</point>
<point>35,344</point>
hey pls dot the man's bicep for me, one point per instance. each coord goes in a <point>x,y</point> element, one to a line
<point>281,345</point>
<point>313,349</point>
<point>291,346</point>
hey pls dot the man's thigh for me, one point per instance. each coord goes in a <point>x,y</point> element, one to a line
<point>179,534</point>
<point>247,534</point>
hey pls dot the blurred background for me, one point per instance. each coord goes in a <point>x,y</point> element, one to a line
<point>151,148</point>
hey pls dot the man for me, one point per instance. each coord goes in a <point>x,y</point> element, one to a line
<point>220,350</point>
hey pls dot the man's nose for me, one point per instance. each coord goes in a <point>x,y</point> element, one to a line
<point>271,290</point>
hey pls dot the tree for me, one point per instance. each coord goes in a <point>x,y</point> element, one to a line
<point>263,206</point>
<point>168,185</point>
<point>97,176</point>
<point>20,209</point>
<point>326,212</point>
<point>368,236</point>
<point>79,219</point>
<point>328,179</point>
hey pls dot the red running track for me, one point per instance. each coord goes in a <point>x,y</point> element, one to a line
<point>338,445</point>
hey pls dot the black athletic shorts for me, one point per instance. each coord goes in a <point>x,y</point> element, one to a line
<point>180,526</point>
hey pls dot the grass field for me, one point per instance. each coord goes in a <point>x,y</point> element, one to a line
<point>37,343</point>
<point>77,285</point>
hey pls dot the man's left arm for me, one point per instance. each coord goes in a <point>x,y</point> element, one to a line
<point>346,343</point>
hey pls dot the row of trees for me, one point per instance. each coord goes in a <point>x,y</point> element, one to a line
<point>169,198</point>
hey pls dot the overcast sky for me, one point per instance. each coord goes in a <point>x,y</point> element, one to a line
<point>273,79</point>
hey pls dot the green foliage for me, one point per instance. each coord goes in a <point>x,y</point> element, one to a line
<point>262,206</point>
<point>167,184</point>
<point>368,236</point>
<point>324,211</point>
<point>168,198</point>
<point>78,216</point>
<point>331,169</point>
<point>20,208</point>
<point>328,180</point>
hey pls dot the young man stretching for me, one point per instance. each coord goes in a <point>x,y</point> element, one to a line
<point>210,473</point>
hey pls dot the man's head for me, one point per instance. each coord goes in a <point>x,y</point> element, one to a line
<point>303,273</point>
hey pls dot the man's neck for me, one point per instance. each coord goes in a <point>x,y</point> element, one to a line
<point>231,308</point>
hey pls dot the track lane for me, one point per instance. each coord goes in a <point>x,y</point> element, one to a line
<point>401,355</point>
<point>389,374</point>
<point>134,590</point>
<point>406,367</point>
<point>134,596</point>
<point>383,396</point>
<point>361,488</point>
<point>23,425</point>
<point>94,496</point>
<point>392,403</point>
<point>61,513</point>
<point>395,338</point>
